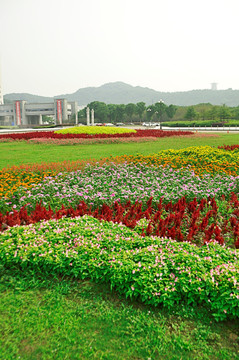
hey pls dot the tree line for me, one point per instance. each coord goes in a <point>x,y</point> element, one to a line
<point>157,112</point>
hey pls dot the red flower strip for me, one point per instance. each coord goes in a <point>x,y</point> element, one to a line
<point>194,221</point>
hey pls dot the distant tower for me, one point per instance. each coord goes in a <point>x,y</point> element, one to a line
<point>213,86</point>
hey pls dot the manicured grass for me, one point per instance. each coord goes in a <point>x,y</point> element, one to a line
<point>17,153</point>
<point>70,319</point>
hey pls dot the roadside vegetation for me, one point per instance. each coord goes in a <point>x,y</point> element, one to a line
<point>160,112</point>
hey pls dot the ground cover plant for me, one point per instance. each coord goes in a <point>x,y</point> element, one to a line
<point>131,235</point>
<point>157,270</point>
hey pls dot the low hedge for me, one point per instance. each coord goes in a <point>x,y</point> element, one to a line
<point>201,123</point>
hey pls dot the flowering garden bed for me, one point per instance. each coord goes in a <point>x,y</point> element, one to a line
<point>153,269</point>
<point>91,133</point>
<point>154,227</point>
<point>88,141</point>
<point>229,147</point>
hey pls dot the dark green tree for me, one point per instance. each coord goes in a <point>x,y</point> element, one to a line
<point>160,109</point>
<point>130,109</point>
<point>120,112</point>
<point>212,114</point>
<point>100,109</point>
<point>236,113</point>
<point>140,108</point>
<point>190,113</point>
<point>112,113</point>
<point>150,110</point>
<point>224,112</point>
<point>171,111</point>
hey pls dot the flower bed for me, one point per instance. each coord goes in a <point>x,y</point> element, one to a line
<point>109,140</point>
<point>155,233</point>
<point>183,206</point>
<point>229,147</point>
<point>29,175</point>
<point>198,222</point>
<point>95,130</point>
<point>126,134</point>
<point>108,183</point>
<point>155,270</point>
<point>201,159</point>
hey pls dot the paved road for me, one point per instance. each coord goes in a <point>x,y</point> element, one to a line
<point>12,131</point>
<point>204,129</point>
<point>201,129</point>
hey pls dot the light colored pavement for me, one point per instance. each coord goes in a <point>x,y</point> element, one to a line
<point>194,129</point>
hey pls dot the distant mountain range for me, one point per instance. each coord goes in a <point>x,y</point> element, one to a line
<point>121,93</point>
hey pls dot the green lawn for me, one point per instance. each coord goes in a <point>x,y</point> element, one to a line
<point>70,319</point>
<point>16,153</point>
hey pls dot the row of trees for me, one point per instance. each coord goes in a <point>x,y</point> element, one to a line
<point>131,112</point>
<point>211,112</point>
<point>159,111</point>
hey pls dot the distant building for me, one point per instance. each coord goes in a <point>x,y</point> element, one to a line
<point>23,114</point>
<point>1,94</point>
<point>213,86</point>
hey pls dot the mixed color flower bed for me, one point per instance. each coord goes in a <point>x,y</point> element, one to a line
<point>108,183</point>
<point>198,222</point>
<point>108,140</point>
<point>155,270</point>
<point>162,228</point>
<point>199,160</point>
<point>90,132</point>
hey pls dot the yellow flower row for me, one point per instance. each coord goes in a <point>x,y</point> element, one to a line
<point>93,130</point>
<point>204,159</point>
<point>10,181</point>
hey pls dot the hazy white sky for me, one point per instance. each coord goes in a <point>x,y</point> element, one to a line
<point>51,47</point>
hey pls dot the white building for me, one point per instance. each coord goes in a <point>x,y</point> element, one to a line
<point>23,114</point>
